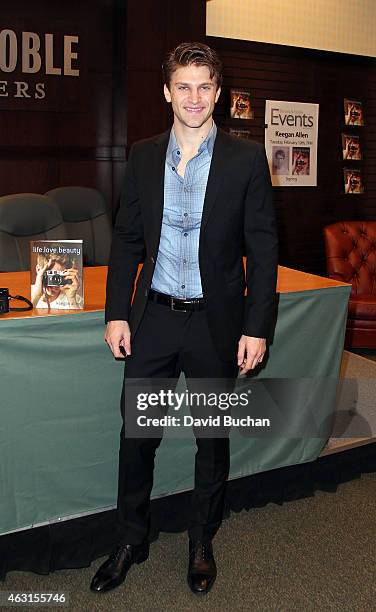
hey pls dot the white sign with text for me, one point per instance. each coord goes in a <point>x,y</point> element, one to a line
<point>291,130</point>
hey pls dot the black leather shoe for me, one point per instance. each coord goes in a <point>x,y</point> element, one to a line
<point>202,570</point>
<point>113,571</point>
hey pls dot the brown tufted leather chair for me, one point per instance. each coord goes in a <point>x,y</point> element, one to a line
<point>351,258</point>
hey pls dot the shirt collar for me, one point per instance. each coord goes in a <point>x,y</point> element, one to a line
<point>173,150</point>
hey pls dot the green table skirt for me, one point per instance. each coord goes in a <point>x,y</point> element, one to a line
<point>60,415</point>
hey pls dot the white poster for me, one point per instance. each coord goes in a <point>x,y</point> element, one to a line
<point>291,142</point>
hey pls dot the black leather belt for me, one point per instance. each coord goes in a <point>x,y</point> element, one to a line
<point>176,303</point>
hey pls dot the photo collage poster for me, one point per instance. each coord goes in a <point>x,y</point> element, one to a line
<point>291,130</point>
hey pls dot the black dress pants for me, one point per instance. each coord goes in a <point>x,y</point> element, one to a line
<point>166,343</point>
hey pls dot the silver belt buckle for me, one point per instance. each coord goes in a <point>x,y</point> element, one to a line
<point>176,309</point>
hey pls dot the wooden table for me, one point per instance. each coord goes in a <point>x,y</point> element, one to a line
<point>95,281</point>
<point>18,283</point>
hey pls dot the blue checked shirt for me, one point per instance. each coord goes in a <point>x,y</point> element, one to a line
<point>177,270</point>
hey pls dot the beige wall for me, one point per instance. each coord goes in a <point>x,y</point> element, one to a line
<point>347,26</point>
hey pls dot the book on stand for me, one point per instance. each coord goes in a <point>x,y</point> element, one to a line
<point>56,271</point>
<point>240,104</point>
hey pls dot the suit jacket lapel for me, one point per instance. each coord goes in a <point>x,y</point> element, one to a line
<point>157,172</point>
<point>217,171</point>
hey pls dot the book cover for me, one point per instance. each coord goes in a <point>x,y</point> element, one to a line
<point>351,147</point>
<point>301,160</point>
<point>353,180</point>
<point>56,272</point>
<point>240,104</point>
<point>353,112</point>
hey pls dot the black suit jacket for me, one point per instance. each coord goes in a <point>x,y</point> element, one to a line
<point>238,219</point>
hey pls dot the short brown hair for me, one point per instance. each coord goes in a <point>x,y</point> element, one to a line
<point>190,53</point>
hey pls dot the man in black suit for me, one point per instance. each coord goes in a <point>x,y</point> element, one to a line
<point>195,200</point>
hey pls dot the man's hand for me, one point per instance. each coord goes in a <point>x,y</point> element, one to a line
<point>118,334</point>
<point>251,352</point>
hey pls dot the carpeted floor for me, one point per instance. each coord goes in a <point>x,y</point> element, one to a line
<point>367,353</point>
<point>313,554</point>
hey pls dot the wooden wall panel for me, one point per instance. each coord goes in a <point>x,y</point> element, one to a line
<point>153,29</point>
<point>68,138</point>
<point>79,135</point>
<point>284,73</point>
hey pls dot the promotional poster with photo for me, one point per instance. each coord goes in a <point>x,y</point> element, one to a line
<point>353,112</point>
<point>291,130</point>
<point>240,104</point>
<point>353,181</point>
<point>57,274</point>
<point>351,147</point>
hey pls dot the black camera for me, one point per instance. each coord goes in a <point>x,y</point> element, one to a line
<point>4,300</point>
<point>54,278</point>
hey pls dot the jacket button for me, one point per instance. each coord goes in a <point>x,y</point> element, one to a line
<point>152,259</point>
<point>146,293</point>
